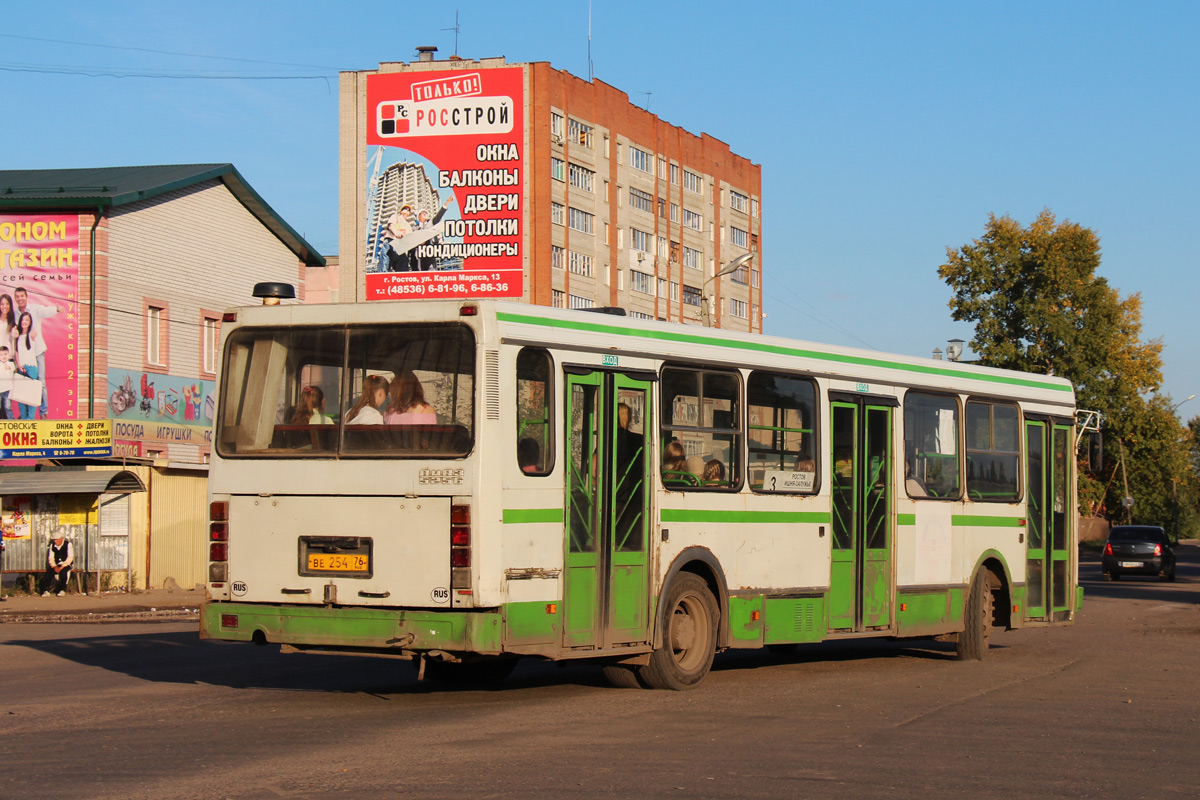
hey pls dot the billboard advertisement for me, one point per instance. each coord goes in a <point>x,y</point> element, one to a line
<point>445,175</point>
<point>152,408</point>
<point>39,307</point>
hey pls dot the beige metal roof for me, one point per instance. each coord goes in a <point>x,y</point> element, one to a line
<point>109,481</point>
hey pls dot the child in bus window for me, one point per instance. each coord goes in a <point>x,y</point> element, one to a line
<point>714,473</point>
<point>368,409</point>
<point>407,404</point>
<point>311,408</point>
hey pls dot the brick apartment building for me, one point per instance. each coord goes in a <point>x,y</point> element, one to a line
<point>616,206</point>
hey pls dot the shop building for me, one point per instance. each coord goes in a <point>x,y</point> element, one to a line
<point>540,186</point>
<point>127,272</point>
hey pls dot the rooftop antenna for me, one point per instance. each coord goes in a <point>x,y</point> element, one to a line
<point>646,106</point>
<point>456,30</point>
<point>589,41</point>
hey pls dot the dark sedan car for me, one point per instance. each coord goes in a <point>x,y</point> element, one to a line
<point>1138,550</point>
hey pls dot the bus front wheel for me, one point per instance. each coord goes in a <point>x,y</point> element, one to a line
<point>689,636</point>
<point>978,616</point>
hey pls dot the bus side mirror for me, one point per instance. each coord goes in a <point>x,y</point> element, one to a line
<point>1093,450</point>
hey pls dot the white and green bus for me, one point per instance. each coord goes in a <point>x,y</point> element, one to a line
<point>464,483</point>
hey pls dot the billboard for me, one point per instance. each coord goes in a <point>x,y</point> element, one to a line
<point>39,307</point>
<point>445,176</point>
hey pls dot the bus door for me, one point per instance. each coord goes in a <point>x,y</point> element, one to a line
<point>607,576</point>
<point>860,581</point>
<point>1048,535</point>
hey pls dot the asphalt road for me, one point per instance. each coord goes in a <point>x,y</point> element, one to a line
<point>1106,708</point>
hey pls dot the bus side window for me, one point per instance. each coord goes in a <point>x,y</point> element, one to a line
<point>782,433</point>
<point>534,443</point>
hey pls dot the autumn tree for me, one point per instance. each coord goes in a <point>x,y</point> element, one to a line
<point>1039,305</point>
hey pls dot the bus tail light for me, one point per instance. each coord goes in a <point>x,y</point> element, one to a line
<point>218,547</point>
<point>460,547</point>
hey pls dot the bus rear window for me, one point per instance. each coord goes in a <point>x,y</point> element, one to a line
<point>383,391</point>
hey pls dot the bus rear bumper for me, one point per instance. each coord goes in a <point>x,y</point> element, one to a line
<point>370,629</point>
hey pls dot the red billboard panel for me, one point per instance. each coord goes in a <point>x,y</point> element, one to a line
<point>445,178</point>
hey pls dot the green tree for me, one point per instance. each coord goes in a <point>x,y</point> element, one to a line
<point>1039,305</point>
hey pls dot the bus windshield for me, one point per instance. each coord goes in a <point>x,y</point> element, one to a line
<point>380,391</point>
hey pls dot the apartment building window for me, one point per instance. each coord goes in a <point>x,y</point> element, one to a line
<point>558,299</point>
<point>674,212</point>
<point>640,160</point>
<point>557,169</point>
<point>675,174</point>
<point>674,290</point>
<point>662,247</point>
<point>738,308</point>
<point>693,182</point>
<point>662,208</point>
<point>692,258</point>
<point>210,332</point>
<point>575,301</point>
<point>691,295</point>
<point>739,275</point>
<point>754,208</point>
<point>739,201</point>
<point>641,281</point>
<point>674,252</point>
<point>641,200</point>
<point>556,256</point>
<point>582,178</point>
<point>579,220</point>
<point>556,213</point>
<point>640,240</point>
<point>662,169</point>
<point>155,314</point>
<point>556,120</point>
<point>579,133</point>
<point>580,264</point>
<point>739,237</point>
<point>662,287</point>
<point>640,315</point>
<point>693,220</point>
<point>754,278</point>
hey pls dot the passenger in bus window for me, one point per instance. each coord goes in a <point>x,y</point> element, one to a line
<point>407,405</point>
<point>714,473</point>
<point>674,468</point>
<point>311,408</point>
<point>529,455</point>
<point>368,409</point>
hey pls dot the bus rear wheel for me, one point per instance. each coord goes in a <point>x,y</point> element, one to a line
<point>978,616</point>
<point>689,637</point>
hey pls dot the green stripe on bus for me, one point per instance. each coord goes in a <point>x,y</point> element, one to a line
<point>676,336</point>
<point>748,517</point>
<point>519,515</point>
<point>986,522</point>
<point>906,519</point>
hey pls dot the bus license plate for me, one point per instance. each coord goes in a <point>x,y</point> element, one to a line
<point>333,562</point>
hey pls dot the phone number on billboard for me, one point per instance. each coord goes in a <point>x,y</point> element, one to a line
<point>426,289</point>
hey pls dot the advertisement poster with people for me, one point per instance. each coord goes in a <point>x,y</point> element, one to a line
<point>445,170</point>
<point>39,306</point>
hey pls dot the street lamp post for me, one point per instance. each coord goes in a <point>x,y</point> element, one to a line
<point>1181,402</point>
<point>732,266</point>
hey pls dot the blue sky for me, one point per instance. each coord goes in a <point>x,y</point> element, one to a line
<point>886,131</point>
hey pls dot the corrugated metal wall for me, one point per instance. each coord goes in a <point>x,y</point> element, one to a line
<point>178,542</point>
